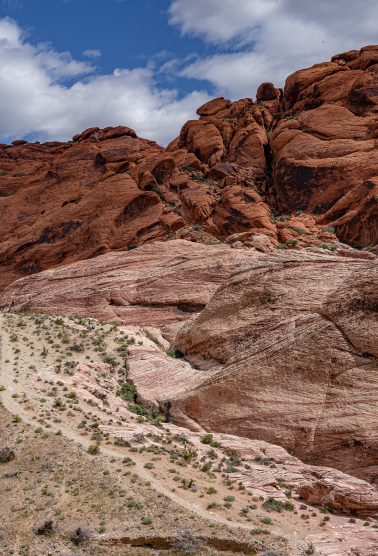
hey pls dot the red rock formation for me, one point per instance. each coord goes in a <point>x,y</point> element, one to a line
<point>110,190</point>
<point>325,145</point>
<point>281,348</point>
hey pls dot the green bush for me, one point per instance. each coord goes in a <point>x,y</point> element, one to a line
<point>174,352</point>
<point>93,449</point>
<point>273,505</point>
<point>127,391</point>
<point>209,440</point>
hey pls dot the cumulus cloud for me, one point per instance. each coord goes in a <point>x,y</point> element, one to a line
<point>36,99</point>
<point>265,40</point>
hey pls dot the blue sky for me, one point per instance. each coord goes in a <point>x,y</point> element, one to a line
<point>70,64</point>
<point>127,33</point>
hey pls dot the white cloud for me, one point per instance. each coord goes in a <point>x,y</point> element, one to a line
<point>266,40</point>
<point>53,96</point>
<point>92,53</point>
<point>35,98</point>
<point>219,21</point>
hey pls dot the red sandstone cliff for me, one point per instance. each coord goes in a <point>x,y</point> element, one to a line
<point>296,165</point>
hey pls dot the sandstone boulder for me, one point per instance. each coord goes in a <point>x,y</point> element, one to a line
<point>291,344</point>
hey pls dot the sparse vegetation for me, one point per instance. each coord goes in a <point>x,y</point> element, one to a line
<point>7,454</point>
<point>64,392</point>
<point>175,352</point>
<point>79,534</point>
<point>273,505</point>
<point>209,439</point>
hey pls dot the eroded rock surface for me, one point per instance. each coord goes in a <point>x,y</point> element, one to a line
<point>284,350</point>
<point>156,285</point>
<point>242,167</point>
<point>294,341</point>
<point>325,146</point>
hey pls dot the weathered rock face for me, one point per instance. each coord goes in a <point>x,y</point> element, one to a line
<point>109,190</point>
<point>284,350</point>
<point>64,202</point>
<point>293,346</point>
<point>242,167</point>
<point>155,285</point>
<point>325,145</point>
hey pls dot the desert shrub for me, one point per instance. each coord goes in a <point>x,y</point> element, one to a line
<point>209,440</point>
<point>110,360</point>
<point>93,449</point>
<point>206,467</point>
<point>120,441</point>
<point>259,531</point>
<point>46,527</point>
<point>310,549</point>
<point>299,231</point>
<point>79,348</point>
<point>273,505</point>
<point>127,391</point>
<point>211,490</point>
<point>79,534</point>
<point>326,509</point>
<point>186,543</point>
<point>150,413</point>
<point>6,454</point>
<point>174,352</point>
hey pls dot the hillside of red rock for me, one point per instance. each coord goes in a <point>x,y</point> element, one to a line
<point>156,285</point>
<point>292,168</point>
<point>280,347</point>
<point>243,257</point>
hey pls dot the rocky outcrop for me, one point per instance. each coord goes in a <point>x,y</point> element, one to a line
<point>156,285</point>
<point>291,346</point>
<point>283,350</point>
<point>279,346</point>
<point>110,190</point>
<point>325,146</point>
<point>300,159</point>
